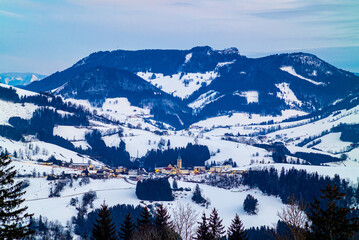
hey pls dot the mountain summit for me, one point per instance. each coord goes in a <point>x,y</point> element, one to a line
<point>202,82</point>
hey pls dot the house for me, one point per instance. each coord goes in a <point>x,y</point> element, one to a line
<point>199,169</point>
<point>120,170</point>
<point>216,169</point>
<point>226,168</point>
<point>79,166</point>
<point>185,171</point>
<point>133,172</point>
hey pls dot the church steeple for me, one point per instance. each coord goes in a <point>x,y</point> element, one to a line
<point>179,161</point>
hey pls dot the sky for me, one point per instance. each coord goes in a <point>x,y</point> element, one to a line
<point>45,36</point>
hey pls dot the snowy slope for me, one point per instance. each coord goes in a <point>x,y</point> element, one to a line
<point>10,109</point>
<point>291,70</point>
<point>180,84</point>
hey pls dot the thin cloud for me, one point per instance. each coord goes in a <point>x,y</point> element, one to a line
<point>10,14</point>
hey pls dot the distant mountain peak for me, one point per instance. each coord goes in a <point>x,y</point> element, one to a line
<point>20,79</point>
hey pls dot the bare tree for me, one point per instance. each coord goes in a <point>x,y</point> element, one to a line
<point>185,221</point>
<point>295,218</point>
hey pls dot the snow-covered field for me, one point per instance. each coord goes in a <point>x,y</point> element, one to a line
<point>118,191</point>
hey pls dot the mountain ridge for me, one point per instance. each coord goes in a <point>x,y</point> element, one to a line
<point>213,82</point>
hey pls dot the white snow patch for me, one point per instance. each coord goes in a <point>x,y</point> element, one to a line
<point>122,106</point>
<point>203,100</point>
<point>34,78</point>
<point>71,133</point>
<point>180,84</point>
<point>332,143</point>
<point>290,70</point>
<point>57,90</point>
<point>222,64</point>
<point>10,109</point>
<point>314,73</point>
<point>245,118</point>
<point>188,57</point>
<point>287,95</point>
<point>251,96</point>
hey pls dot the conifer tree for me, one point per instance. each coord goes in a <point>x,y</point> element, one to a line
<point>127,228</point>
<point>236,230</point>
<point>250,205</point>
<point>215,225</point>
<point>333,221</point>
<point>203,231</point>
<point>163,224</point>
<point>197,195</point>
<point>174,184</point>
<point>104,229</point>
<point>14,222</point>
<point>145,219</point>
<point>162,219</point>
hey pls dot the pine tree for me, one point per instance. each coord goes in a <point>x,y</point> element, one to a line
<point>162,219</point>
<point>333,221</point>
<point>163,224</point>
<point>203,231</point>
<point>197,195</point>
<point>127,228</point>
<point>250,205</point>
<point>174,184</point>
<point>145,219</point>
<point>14,222</point>
<point>215,225</point>
<point>236,230</point>
<point>104,229</point>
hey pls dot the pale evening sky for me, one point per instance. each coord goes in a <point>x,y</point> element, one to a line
<point>46,36</point>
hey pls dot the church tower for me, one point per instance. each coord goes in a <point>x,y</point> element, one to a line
<point>179,161</point>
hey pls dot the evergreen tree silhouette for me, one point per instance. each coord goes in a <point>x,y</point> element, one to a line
<point>174,184</point>
<point>104,229</point>
<point>236,230</point>
<point>163,223</point>
<point>162,219</point>
<point>127,228</point>
<point>332,221</point>
<point>14,222</point>
<point>145,219</point>
<point>250,205</point>
<point>197,195</point>
<point>203,231</point>
<point>215,225</point>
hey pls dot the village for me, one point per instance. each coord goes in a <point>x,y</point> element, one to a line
<point>93,171</point>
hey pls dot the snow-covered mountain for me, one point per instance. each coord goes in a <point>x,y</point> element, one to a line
<point>20,79</point>
<point>203,82</point>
